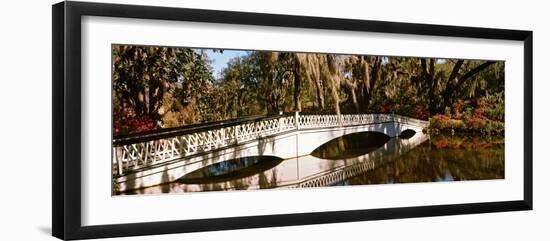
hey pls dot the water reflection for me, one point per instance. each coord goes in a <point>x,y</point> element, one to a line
<point>231,170</point>
<point>351,145</point>
<point>353,161</point>
<point>442,158</point>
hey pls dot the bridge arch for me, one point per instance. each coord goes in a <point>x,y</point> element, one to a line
<point>165,158</point>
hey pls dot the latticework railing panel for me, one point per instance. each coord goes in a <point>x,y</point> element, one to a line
<point>138,155</point>
<point>128,157</point>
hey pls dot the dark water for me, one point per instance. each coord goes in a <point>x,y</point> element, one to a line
<point>366,158</point>
<point>351,145</point>
<point>442,158</point>
<point>231,170</point>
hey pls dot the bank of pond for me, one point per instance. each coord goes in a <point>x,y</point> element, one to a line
<point>473,125</point>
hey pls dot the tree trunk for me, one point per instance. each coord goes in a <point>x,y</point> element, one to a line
<point>354,99</point>
<point>336,101</point>
<point>372,77</point>
<point>449,93</point>
<point>428,73</point>
<point>297,85</point>
<point>366,87</point>
<point>320,94</point>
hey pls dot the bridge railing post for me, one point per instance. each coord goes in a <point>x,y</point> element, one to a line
<point>396,125</point>
<point>118,160</point>
<point>297,120</point>
<point>236,131</point>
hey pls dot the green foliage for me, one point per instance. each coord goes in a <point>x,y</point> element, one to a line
<point>476,124</point>
<point>444,122</point>
<point>149,82</point>
<point>157,87</point>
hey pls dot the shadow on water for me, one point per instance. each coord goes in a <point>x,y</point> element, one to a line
<point>130,186</point>
<point>165,179</point>
<point>231,170</point>
<point>351,145</point>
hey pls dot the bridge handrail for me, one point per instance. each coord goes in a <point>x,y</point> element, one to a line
<point>187,129</point>
<point>142,151</point>
<point>151,150</point>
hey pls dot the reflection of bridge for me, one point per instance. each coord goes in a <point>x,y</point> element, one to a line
<point>303,171</point>
<point>164,156</point>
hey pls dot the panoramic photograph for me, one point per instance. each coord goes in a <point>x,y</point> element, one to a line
<point>190,119</point>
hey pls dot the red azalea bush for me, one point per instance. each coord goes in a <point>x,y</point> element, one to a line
<point>421,113</point>
<point>445,122</point>
<point>386,108</point>
<point>477,123</point>
<point>482,124</point>
<point>418,112</point>
<point>126,123</point>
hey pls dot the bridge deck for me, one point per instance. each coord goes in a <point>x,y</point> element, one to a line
<point>135,152</point>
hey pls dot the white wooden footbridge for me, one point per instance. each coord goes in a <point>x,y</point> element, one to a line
<point>158,157</point>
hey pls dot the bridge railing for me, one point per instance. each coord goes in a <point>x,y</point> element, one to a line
<point>409,120</point>
<point>321,121</point>
<point>135,152</point>
<point>131,155</point>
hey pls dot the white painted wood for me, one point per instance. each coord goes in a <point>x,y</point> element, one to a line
<point>165,160</point>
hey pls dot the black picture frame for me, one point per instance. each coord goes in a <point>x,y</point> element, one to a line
<point>66,127</point>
